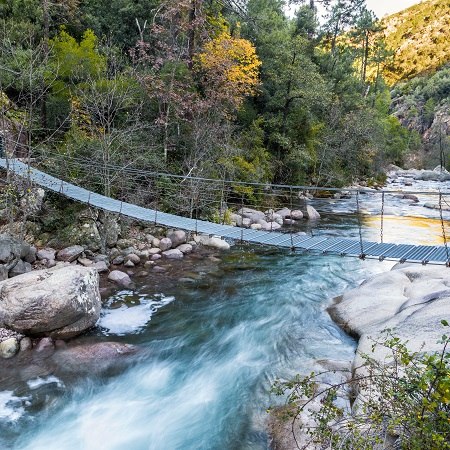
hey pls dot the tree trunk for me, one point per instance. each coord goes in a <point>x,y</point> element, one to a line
<point>46,20</point>
<point>191,34</point>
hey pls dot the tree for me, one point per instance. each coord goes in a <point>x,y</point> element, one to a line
<point>229,68</point>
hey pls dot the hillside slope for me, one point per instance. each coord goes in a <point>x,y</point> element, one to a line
<point>423,105</point>
<point>420,39</point>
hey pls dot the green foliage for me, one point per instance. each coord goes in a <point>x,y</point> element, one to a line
<point>76,62</point>
<point>130,92</point>
<point>403,402</point>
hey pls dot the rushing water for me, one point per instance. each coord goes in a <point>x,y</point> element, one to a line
<point>210,346</point>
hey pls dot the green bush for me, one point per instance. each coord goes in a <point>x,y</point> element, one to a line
<point>403,405</point>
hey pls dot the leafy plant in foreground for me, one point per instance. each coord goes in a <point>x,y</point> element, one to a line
<point>400,403</point>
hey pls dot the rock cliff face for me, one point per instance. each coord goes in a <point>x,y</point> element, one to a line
<point>423,105</point>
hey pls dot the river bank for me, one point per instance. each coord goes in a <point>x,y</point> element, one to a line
<point>409,302</point>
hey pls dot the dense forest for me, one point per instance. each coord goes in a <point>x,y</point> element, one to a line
<point>210,88</point>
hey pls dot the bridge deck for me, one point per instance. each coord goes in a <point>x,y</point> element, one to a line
<point>344,247</point>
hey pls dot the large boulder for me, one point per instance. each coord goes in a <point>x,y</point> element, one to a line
<point>109,229</point>
<point>46,253</point>
<point>252,214</point>
<point>177,237</point>
<point>311,213</point>
<point>9,347</point>
<point>165,244</point>
<point>173,254</point>
<point>215,242</point>
<point>20,268</point>
<point>12,254</point>
<point>86,234</point>
<point>31,202</point>
<point>61,302</point>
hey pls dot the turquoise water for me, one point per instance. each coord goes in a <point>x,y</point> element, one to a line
<point>210,349</point>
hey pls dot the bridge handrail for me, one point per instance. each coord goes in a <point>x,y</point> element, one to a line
<point>265,186</point>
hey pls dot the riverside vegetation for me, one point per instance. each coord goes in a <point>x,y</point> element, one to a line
<point>201,88</point>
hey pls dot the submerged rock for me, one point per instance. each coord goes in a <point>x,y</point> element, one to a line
<point>91,358</point>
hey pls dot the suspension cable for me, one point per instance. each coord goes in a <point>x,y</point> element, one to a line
<point>358,214</point>
<point>443,230</point>
<point>382,218</point>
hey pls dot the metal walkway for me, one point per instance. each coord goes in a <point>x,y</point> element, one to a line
<point>345,247</point>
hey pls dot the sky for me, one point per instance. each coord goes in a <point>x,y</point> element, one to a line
<point>382,7</point>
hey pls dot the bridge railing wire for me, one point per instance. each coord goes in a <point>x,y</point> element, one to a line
<point>195,197</point>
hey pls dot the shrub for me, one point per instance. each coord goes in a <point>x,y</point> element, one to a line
<point>403,405</point>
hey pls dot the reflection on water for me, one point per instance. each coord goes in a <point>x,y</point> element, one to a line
<point>405,230</point>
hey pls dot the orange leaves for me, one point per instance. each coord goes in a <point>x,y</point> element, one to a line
<point>230,68</point>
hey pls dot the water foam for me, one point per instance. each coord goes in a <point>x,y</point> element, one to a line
<point>11,406</point>
<point>131,319</point>
<point>38,382</point>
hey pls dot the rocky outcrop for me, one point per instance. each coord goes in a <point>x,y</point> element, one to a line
<point>410,300</point>
<point>15,256</point>
<point>437,174</point>
<point>61,302</point>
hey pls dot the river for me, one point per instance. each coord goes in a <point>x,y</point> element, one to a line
<point>210,346</point>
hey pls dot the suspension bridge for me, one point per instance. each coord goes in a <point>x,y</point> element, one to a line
<point>424,254</point>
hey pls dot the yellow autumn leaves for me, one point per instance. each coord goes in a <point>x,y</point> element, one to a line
<point>230,67</point>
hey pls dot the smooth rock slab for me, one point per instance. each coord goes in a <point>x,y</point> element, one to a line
<point>61,302</point>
